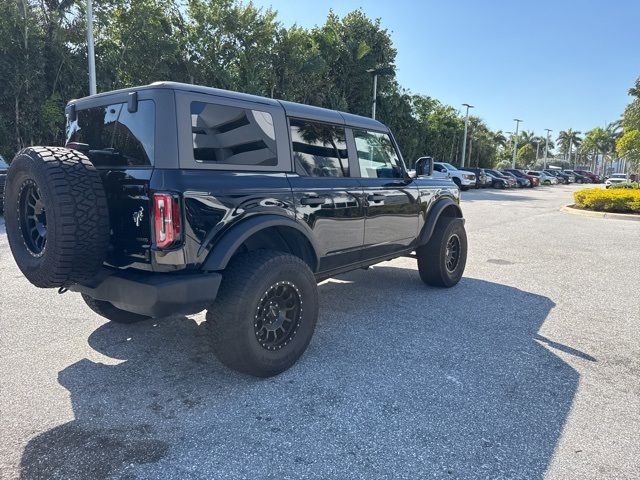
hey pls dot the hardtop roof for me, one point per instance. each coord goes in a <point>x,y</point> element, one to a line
<point>292,109</point>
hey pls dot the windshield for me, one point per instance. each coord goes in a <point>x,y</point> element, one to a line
<point>619,175</point>
<point>3,164</point>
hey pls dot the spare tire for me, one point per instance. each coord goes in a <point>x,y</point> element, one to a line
<point>56,216</point>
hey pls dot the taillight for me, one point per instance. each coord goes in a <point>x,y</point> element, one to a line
<point>167,219</point>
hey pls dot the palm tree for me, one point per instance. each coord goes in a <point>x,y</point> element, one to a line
<point>500,139</point>
<point>567,139</point>
<point>601,141</point>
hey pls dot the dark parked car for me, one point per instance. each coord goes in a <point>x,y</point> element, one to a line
<point>534,181</point>
<point>513,183</point>
<point>174,198</point>
<point>577,177</point>
<point>482,179</point>
<point>522,182</point>
<point>3,175</point>
<point>592,176</point>
<point>497,182</point>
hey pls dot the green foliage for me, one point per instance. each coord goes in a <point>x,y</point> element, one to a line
<point>526,155</point>
<point>628,146</point>
<point>610,200</point>
<point>628,185</point>
<point>502,164</point>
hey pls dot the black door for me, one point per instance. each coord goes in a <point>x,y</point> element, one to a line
<point>391,222</point>
<point>326,197</point>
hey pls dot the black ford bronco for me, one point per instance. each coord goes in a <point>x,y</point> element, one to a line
<point>173,198</point>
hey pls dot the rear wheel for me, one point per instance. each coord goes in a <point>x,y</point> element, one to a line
<point>442,260</point>
<point>265,313</point>
<point>110,312</point>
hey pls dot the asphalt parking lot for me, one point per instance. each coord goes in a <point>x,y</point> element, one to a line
<point>529,368</point>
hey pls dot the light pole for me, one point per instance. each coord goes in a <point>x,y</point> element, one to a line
<point>375,91</point>
<point>464,140</point>
<point>90,52</point>
<point>546,147</point>
<point>515,143</point>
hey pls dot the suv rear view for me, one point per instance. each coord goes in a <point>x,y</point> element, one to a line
<point>172,199</point>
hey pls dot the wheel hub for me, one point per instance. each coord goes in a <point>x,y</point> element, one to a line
<point>452,255</point>
<point>278,315</point>
<point>33,218</point>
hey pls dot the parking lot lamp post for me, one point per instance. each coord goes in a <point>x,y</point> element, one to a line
<point>464,140</point>
<point>515,143</point>
<point>546,147</point>
<point>90,49</point>
<point>375,91</point>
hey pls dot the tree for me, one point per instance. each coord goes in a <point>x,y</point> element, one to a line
<point>628,146</point>
<point>526,156</point>
<point>567,140</point>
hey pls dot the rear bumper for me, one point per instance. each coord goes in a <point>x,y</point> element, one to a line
<point>154,294</point>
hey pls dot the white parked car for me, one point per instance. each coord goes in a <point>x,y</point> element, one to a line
<point>465,180</point>
<point>615,178</point>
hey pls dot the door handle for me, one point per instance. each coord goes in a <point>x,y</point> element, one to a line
<point>312,201</point>
<point>375,198</point>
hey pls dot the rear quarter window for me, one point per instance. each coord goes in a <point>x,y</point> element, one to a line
<point>113,137</point>
<point>229,135</point>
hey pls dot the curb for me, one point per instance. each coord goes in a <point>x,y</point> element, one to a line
<point>571,209</point>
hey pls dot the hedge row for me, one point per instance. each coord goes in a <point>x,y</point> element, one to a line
<point>631,185</point>
<point>619,200</point>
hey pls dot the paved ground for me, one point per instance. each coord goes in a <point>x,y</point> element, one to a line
<point>529,368</point>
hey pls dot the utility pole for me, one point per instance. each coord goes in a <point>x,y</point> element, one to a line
<point>91,52</point>
<point>515,144</point>
<point>464,140</point>
<point>375,95</point>
<point>546,147</point>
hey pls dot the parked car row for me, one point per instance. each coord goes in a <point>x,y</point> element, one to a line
<point>475,177</point>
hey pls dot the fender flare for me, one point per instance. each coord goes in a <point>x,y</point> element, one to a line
<point>434,215</point>
<point>228,245</point>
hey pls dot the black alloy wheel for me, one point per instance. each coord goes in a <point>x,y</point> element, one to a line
<point>33,219</point>
<point>278,315</point>
<point>453,253</point>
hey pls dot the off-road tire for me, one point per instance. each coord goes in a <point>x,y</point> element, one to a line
<point>432,257</point>
<point>232,317</point>
<point>77,218</point>
<point>112,313</point>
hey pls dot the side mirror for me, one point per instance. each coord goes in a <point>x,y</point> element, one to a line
<point>424,167</point>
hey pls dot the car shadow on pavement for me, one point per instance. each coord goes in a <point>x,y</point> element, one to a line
<point>400,381</point>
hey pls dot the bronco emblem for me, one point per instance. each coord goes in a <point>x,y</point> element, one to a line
<point>137,216</point>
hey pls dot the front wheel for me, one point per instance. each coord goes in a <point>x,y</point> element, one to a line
<point>265,313</point>
<point>442,260</point>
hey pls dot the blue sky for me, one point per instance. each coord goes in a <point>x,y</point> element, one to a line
<point>554,64</point>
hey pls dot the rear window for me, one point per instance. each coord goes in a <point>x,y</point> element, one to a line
<point>113,137</point>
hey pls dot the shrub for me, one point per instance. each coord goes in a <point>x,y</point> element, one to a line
<point>632,185</point>
<point>621,200</point>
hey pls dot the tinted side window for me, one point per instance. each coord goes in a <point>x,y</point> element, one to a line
<point>376,155</point>
<point>232,135</point>
<point>319,150</point>
<point>114,137</point>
